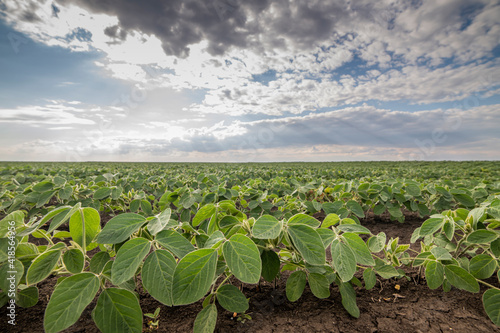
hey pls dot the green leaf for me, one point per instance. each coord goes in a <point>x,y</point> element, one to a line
<point>98,261</point>
<point>74,260</point>
<point>6,270</point>
<point>319,285</point>
<point>27,297</point>
<point>203,213</point>
<point>119,228</point>
<point>308,243</point>
<point>69,299</point>
<point>92,225</point>
<point>193,276</point>
<point>327,236</point>
<point>344,260</point>
<point>413,190</point>
<point>303,219</point>
<point>175,242</point>
<point>42,266</point>
<point>482,266</point>
<point>205,320</point>
<point>61,217</point>
<point>270,265</point>
<point>441,253</point>
<point>43,186</point>
<point>431,225</point>
<point>377,243</point>
<point>360,249</point>
<point>243,258</point>
<point>44,198</point>
<point>157,275</point>
<point>482,236</point>
<point>118,310</point>
<point>295,285</point>
<point>465,200</point>
<point>460,278</point>
<point>491,302</point>
<point>370,278</point>
<point>66,192</point>
<point>159,222</point>
<point>232,299</point>
<point>266,227</point>
<point>128,259</point>
<point>495,247</point>
<point>349,299</point>
<point>102,193</point>
<point>330,220</point>
<point>354,228</point>
<point>355,207</point>
<point>449,229</point>
<point>434,274</point>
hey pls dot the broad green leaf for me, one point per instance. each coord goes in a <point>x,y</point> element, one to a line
<point>146,207</point>
<point>344,260</point>
<point>377,243</point>
<point>69,299</point>
<point>449,229</point>
<point>193,276</point>
<point>295,285</point>
<point>128,259</point>
<point>98,261</point>
<point>74,260</point>
<point>460,278</point>
<point>360,249</point>
<point>330,220</point>
<point>243,258</point>
<point>42,266</point>
<point>44,198</point>
<point>370,278</point>
<point>349,298</point>
<point>495,247</point>
<point>159,222</point>
<point>61,217</point>
<point>465,200</point>
<point>205,320</point>
<point>157,274</point>
<point>327,236</point>
<point>102,193</point>
<point>214,240</point>
<point>308,243</point>
<point>355,207</point>
<point>92,226</point>
<point>303,219</point>
<point>118,310</point>
<point>119,228</point>
<point>441,253</point>
<point>66,192</point>
<point>175,242</point>
<point>232,299</point>
<point>395,211</point>
<point>27,297</point>
<point>491,302</point>
<point>319,285</point>
<point>482,266</point>
<point>7,270</point>
<point>413,190</point>
<point>482,236</point>
<point>266,227</point>
<point>434,274</point>
<point>354,228</point>
<point>43,186</point>
<point>270,265</point>
<point>431,225</point>
<point>16,217</point>
<point>203,213</point>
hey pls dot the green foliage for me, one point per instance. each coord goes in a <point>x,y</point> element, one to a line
<point>190,232</point>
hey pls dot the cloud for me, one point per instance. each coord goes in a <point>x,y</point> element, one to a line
<point>43,115</point>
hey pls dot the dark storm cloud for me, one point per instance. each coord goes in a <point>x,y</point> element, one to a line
<point>115,32</point>
<point>222,23</point>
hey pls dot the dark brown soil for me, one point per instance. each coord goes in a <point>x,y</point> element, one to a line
<point>412,308</point>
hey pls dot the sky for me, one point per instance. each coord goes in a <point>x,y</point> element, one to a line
<point>249,81</point>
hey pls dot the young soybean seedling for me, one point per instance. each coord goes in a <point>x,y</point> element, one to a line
<point>154,323</point>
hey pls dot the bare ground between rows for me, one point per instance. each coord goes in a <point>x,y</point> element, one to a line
<point>412,308</point>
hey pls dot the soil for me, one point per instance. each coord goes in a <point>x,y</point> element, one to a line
<point>413,307</point>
